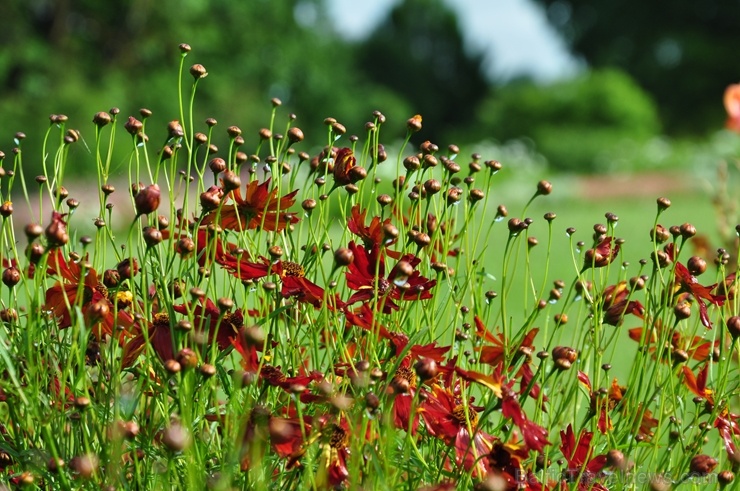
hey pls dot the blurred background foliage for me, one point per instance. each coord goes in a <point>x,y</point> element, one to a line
<point>649,96</point>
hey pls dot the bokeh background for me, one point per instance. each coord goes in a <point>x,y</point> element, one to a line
<point>559,86</point>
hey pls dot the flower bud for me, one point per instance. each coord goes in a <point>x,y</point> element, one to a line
<point>544,188</point>
<point>696,265</point>
<point>133,126</point>
<point>701,465</point>
<point>733,326</point>
<point>56,233</point>
<point>187,358</point>
<point>343,256</point>
<point>198,71</point>
<point>426,369</point>
<point>174,129</point>
<point>687,231</point>
<point>152,236</point>
<point>101,119</point>
<point>176,438</point>
<point>128,268</point>
<point>663,204</point>
<point>564,357</point>
<point>147,199</point>
<point>211,198</point>
<point>11,276</point>
<point>295,135</point>
<point>413,124</point>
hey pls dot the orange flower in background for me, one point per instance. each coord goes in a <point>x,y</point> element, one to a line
<point>259,208</point>
<point>732,106</point>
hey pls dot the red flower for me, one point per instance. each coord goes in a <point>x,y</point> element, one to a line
<point>158,335</point>
<point>581,465</point>
<point>725,422</point>
<point>698,384</point>
<point>601,255</point>
<point>260,208</point>
<point>617,304</point>
<point>81,288</point>
<point>689,284</point>
<point>344,162</point>
<point>366,275</point>
<point>495,355</point>
<point>207,317</point>
<point>535,436</point>
<point>447,418</point>
<point>603,404</point>
<point>695,347</point>
<point>371,235</point>
<point>296,285</point>
<point>732,106</point>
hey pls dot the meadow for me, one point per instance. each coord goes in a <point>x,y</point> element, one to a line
<point>372,313</point>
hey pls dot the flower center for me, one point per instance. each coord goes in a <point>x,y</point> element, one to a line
<point>463,415</point>
<point>339,438</point>
<point>161,320</point>
<point>383,286</point>
<point>407,374</point>
<point>102,289</point>
<point>273,375</point>
<point>293,269</point>
<point>123,299</point>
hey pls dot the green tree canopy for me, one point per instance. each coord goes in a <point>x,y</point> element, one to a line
<point>683,52</point>
<point>78,58</point>
<point>418,52</point>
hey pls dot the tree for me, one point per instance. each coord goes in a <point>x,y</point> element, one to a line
<point>418,52</point>
<point>78,58</point>
<point>684,53</point>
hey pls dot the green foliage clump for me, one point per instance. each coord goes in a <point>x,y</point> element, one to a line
<point>577,123</point>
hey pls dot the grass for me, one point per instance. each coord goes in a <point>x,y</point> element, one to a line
<point>278,317</point>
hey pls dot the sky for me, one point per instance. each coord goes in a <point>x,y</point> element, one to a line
<point>513,34</point>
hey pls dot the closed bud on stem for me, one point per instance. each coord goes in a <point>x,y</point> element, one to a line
<point>413,124</point>
<point>544,188</point>
<point>733,326</point>
<point>198,71</point>
<point>701,465</point>
<point>696,265</point>
<point>11,276</point>
<point>563,357</point>
<point>687,231</point>
<point>147,199</point>
<point>663,204</point>
<point>343,256</point>
<point>101,119</point>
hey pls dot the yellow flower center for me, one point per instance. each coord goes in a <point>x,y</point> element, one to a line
<point>463,415</point>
